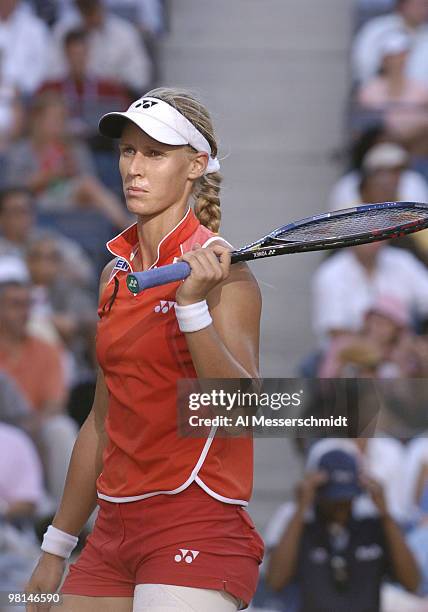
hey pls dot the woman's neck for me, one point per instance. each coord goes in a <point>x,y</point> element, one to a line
<point>152,229</point>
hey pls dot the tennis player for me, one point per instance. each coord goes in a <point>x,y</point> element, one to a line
<point>172,531</point>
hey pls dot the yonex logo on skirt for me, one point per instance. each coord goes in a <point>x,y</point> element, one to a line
<point>186,555</point>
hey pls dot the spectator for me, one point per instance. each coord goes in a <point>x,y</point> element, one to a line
<point>345,285</point>
<point>386,319</point>
<point>382,458</point>
<point>409,186</point>
<point>85,94</point>
<point>417,65</point>
<point>21,475</point>
<point>18,227</point>
<point>47,10</point>
<point>58,170</point>
<point>412,187</point>
<point>415,466</point>
<point>36,368</point>
<point>418,537</point>
<point>11,113</point>
<point>372,352</point>
<point>61,313</point>
<point>24,41</point>
<point>400,101</point>
<point>14,408</point>
<point>126,61</point>
<point>148,15</point>
<point>21,495</point>
<point>383,172</point>
<point>410,17</point>
<point>330,548</point>
<point>33,364</point>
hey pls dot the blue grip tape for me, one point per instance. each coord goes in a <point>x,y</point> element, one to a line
<point>138,281</point>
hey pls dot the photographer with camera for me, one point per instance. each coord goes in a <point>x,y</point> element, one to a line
<point>336,546</point>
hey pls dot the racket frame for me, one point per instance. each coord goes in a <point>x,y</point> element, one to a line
<point>271,245</point>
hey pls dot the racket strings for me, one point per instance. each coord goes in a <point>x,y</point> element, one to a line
<point>371,221</point>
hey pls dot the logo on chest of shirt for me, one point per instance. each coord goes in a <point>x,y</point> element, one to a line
<point>164,306</point>
<point>318,555</point>
<point>368,553</point>
<point>121,264</point>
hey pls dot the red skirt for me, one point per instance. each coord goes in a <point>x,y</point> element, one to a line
<point>187,539</point>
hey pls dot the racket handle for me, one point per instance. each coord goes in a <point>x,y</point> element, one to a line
<point>138,281</point>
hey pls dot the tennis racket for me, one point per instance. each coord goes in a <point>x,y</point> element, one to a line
<point>347,227</point>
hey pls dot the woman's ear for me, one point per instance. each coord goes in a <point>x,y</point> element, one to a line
<point>198,165</point>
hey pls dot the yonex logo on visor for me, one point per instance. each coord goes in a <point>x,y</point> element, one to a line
<point>145,104</point>
<point>162,122</point>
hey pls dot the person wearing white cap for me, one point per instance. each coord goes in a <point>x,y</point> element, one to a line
<point>402,102</point>
<point>385,155</point>
<point>172,531</point>
<point>410,17</point>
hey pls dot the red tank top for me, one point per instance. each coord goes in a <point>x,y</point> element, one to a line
<point>143,354</point>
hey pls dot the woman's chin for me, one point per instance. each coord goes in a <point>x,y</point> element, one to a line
<point>137,207</point>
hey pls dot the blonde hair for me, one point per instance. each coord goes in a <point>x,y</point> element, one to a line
<point>207,188</point>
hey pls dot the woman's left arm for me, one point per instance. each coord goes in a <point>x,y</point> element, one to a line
<point>229,347</point>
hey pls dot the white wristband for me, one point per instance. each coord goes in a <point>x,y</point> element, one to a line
<point>193,317</point>
<point>58,542</point>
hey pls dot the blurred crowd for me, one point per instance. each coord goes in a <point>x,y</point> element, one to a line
<point>355,536</point>
<point>63,63</point>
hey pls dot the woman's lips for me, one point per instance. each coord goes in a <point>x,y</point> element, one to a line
<point>135,190</point>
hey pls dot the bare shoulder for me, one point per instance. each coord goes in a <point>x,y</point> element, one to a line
<point>240,288</point>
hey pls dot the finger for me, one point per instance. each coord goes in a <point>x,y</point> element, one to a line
<point>210,264</point>
<point>215,263</point>
<point>194,248</point>
<point>218,248</point>
<point>225,261</point>
<point>195,265</point>
<point>223,254</point>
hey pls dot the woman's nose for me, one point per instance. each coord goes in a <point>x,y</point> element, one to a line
<point>136,167</point>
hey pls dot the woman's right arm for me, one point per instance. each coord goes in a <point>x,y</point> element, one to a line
<point>79,498</point>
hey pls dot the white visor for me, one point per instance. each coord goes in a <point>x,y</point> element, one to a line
<point>163,123</point>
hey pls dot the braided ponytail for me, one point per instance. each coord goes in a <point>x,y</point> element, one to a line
<point>207,201</point>
<point>207,188</point>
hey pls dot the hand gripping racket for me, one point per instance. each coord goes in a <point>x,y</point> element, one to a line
<point>348,227</point>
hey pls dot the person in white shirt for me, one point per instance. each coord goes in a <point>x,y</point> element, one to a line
<point>21,474</point>
<point>147,15</point>
<point>412,186</point>
<point>415,461</point>
<point>345,285</point>
<point>125,61</point>
<point>24,42</point>
<point>410,17</point>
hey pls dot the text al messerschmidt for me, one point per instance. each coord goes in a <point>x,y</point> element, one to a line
<point>263,421</point>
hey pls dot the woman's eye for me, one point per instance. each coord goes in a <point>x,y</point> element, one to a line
<point>154,153</point>
<point>127,151</point>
